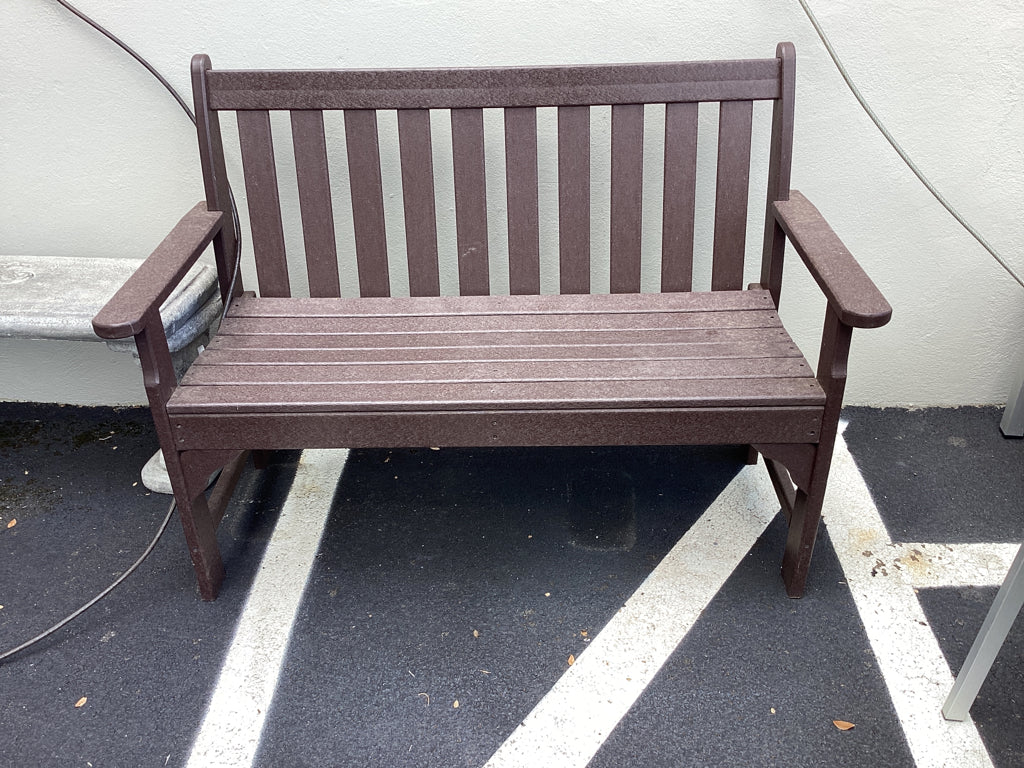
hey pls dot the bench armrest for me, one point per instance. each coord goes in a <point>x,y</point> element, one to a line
<point>849,290</point>
<point>126,312</point>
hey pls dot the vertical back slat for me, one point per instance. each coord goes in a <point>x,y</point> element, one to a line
<point>367,202</point>
<point>418,198</point>
<point>627,196</point>
<point>521,186</point>
<point>264,202</point>
<point>574,199</point>
<point>779,172</point>
<point>679,197</point>
<point>470,201</point>
<point>315,202</point>
<point>731,195</point>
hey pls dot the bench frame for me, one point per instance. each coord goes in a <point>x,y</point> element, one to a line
<point>196,442</point>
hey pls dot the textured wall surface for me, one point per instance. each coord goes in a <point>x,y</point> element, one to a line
<point>96,159</point>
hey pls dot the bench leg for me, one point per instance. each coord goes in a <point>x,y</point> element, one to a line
<point>799,473</point>
<point>803,530</point>
<point>201,536</point>
<point>807,503</point>
<point>188,481</point>
<point>806,512</point>
<point>200,516</point>
<point>189,472</point>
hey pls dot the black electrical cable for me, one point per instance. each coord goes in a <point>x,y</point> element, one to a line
<point>234,277</point>
<point>124,46</point>
<point>67,620</point>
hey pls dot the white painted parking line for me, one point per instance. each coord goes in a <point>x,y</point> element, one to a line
<point>578,714</point>
<point>573,720</point>
<point>951,565</point>
<point>912,664</point>
<point>230,733</point>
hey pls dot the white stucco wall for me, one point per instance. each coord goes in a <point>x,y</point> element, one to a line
<point>96,159</point>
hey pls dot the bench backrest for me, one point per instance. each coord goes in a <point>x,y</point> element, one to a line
<point>518,92</point>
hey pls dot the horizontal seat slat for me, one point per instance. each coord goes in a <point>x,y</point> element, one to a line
<point>496,324</point>
<point>494,371</point>
<point>461,396</point>
<point>721,301</point>
<point>532,339</point>
<point>219,354</point>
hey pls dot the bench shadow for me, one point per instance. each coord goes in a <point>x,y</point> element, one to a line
<point>471,575</point>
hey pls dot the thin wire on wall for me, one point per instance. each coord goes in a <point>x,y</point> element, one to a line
<point>900,151</point>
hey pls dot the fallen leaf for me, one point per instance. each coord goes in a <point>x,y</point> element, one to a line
<point>81,702</point>
<point>547,594</point>
<point>14,522</point>
<point>842,725</point>
<point>434,448</point>
<point>583,633</point>
<point>572,659</point>
<point>455,704</point>
<point>773,710</point>
<point>476,633</point>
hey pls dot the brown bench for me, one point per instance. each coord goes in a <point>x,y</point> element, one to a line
<point>574,368</point>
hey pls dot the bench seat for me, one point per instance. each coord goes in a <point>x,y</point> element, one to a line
<point>647,359</point>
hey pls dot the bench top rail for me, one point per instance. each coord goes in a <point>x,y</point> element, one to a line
<point>481,87</point>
